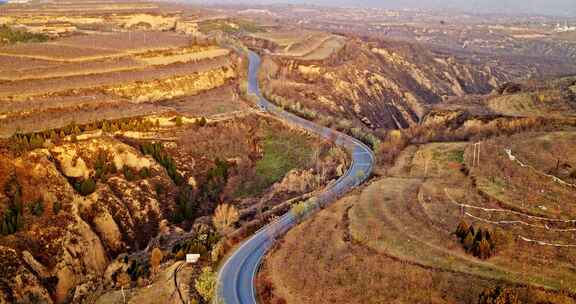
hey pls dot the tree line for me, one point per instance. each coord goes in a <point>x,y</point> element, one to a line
<point>478,242</point>
<point>20,142</point>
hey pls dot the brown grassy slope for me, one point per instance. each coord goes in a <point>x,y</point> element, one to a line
<point>318,263</point>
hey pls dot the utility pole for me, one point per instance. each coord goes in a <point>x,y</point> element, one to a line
<point>476,155</point>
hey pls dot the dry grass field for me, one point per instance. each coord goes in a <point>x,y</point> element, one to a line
<point>51,69</point>
<point>17,64</point>
<point>130,41</point>
<point>535,172</point>
<point>547,102</point>
<point>53,51</point>
<point>219,101</point>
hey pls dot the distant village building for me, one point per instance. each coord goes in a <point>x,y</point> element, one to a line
<point>565,28</point>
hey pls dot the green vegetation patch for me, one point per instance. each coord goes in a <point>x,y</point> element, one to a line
<point>10,35</point>
<point>230,26</point>
<point>282,152</point>
<point>456,156</point>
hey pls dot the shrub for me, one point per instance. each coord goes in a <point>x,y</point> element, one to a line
<point>37,208</point>
<point>301,209</point>
<point>483,249</point>
<point>201,122</point>
<point>12,220</point>
<point>218,251</point>
<point>178,121</point>
<point>144,173</point>
<point>206,284</point>
<point>56,207</point>
<point>156,259</point>
<point>159,189</point>
<point>87,187</point>
<point>137,270</point>
<point>128,173</point>
<point>498,295</point>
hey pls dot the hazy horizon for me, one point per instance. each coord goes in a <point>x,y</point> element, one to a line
<point>535,7</point>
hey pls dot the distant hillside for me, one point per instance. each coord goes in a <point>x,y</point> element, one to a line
<point>551,7</point>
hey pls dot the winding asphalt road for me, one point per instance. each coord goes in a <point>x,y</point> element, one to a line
<point>236,277</point>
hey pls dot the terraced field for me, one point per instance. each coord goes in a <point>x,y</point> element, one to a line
<point>531,104</point>
<point>86,77</point>
<point>304,45</point>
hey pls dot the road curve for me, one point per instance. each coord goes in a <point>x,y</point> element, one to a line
<point>236,277</point>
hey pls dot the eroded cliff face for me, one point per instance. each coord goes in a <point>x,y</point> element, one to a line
<point>386,84</point>
<point>162,89</point>
<point>60,253</point>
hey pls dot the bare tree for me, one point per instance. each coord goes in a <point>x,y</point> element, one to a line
<point>156,259</point>
<point>124,281</point>
<point>224,217</point>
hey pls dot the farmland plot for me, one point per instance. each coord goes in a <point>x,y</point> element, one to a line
<point>72,69</point>
<point>132,42</point>
<point>54,51</point>
<point>27,88</point>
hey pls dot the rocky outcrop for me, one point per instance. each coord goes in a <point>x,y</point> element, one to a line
<point>61,253</point>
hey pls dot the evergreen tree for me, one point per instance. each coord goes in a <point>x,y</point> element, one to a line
<point>105,126</point>
<point>483,250</point>
<point>479,235</point>
<point>468,242</point>
<point>53,136</point>
<point>201,122</point>
<point>36,141</point>
<point>462,230</point>
<point>87,187</point>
